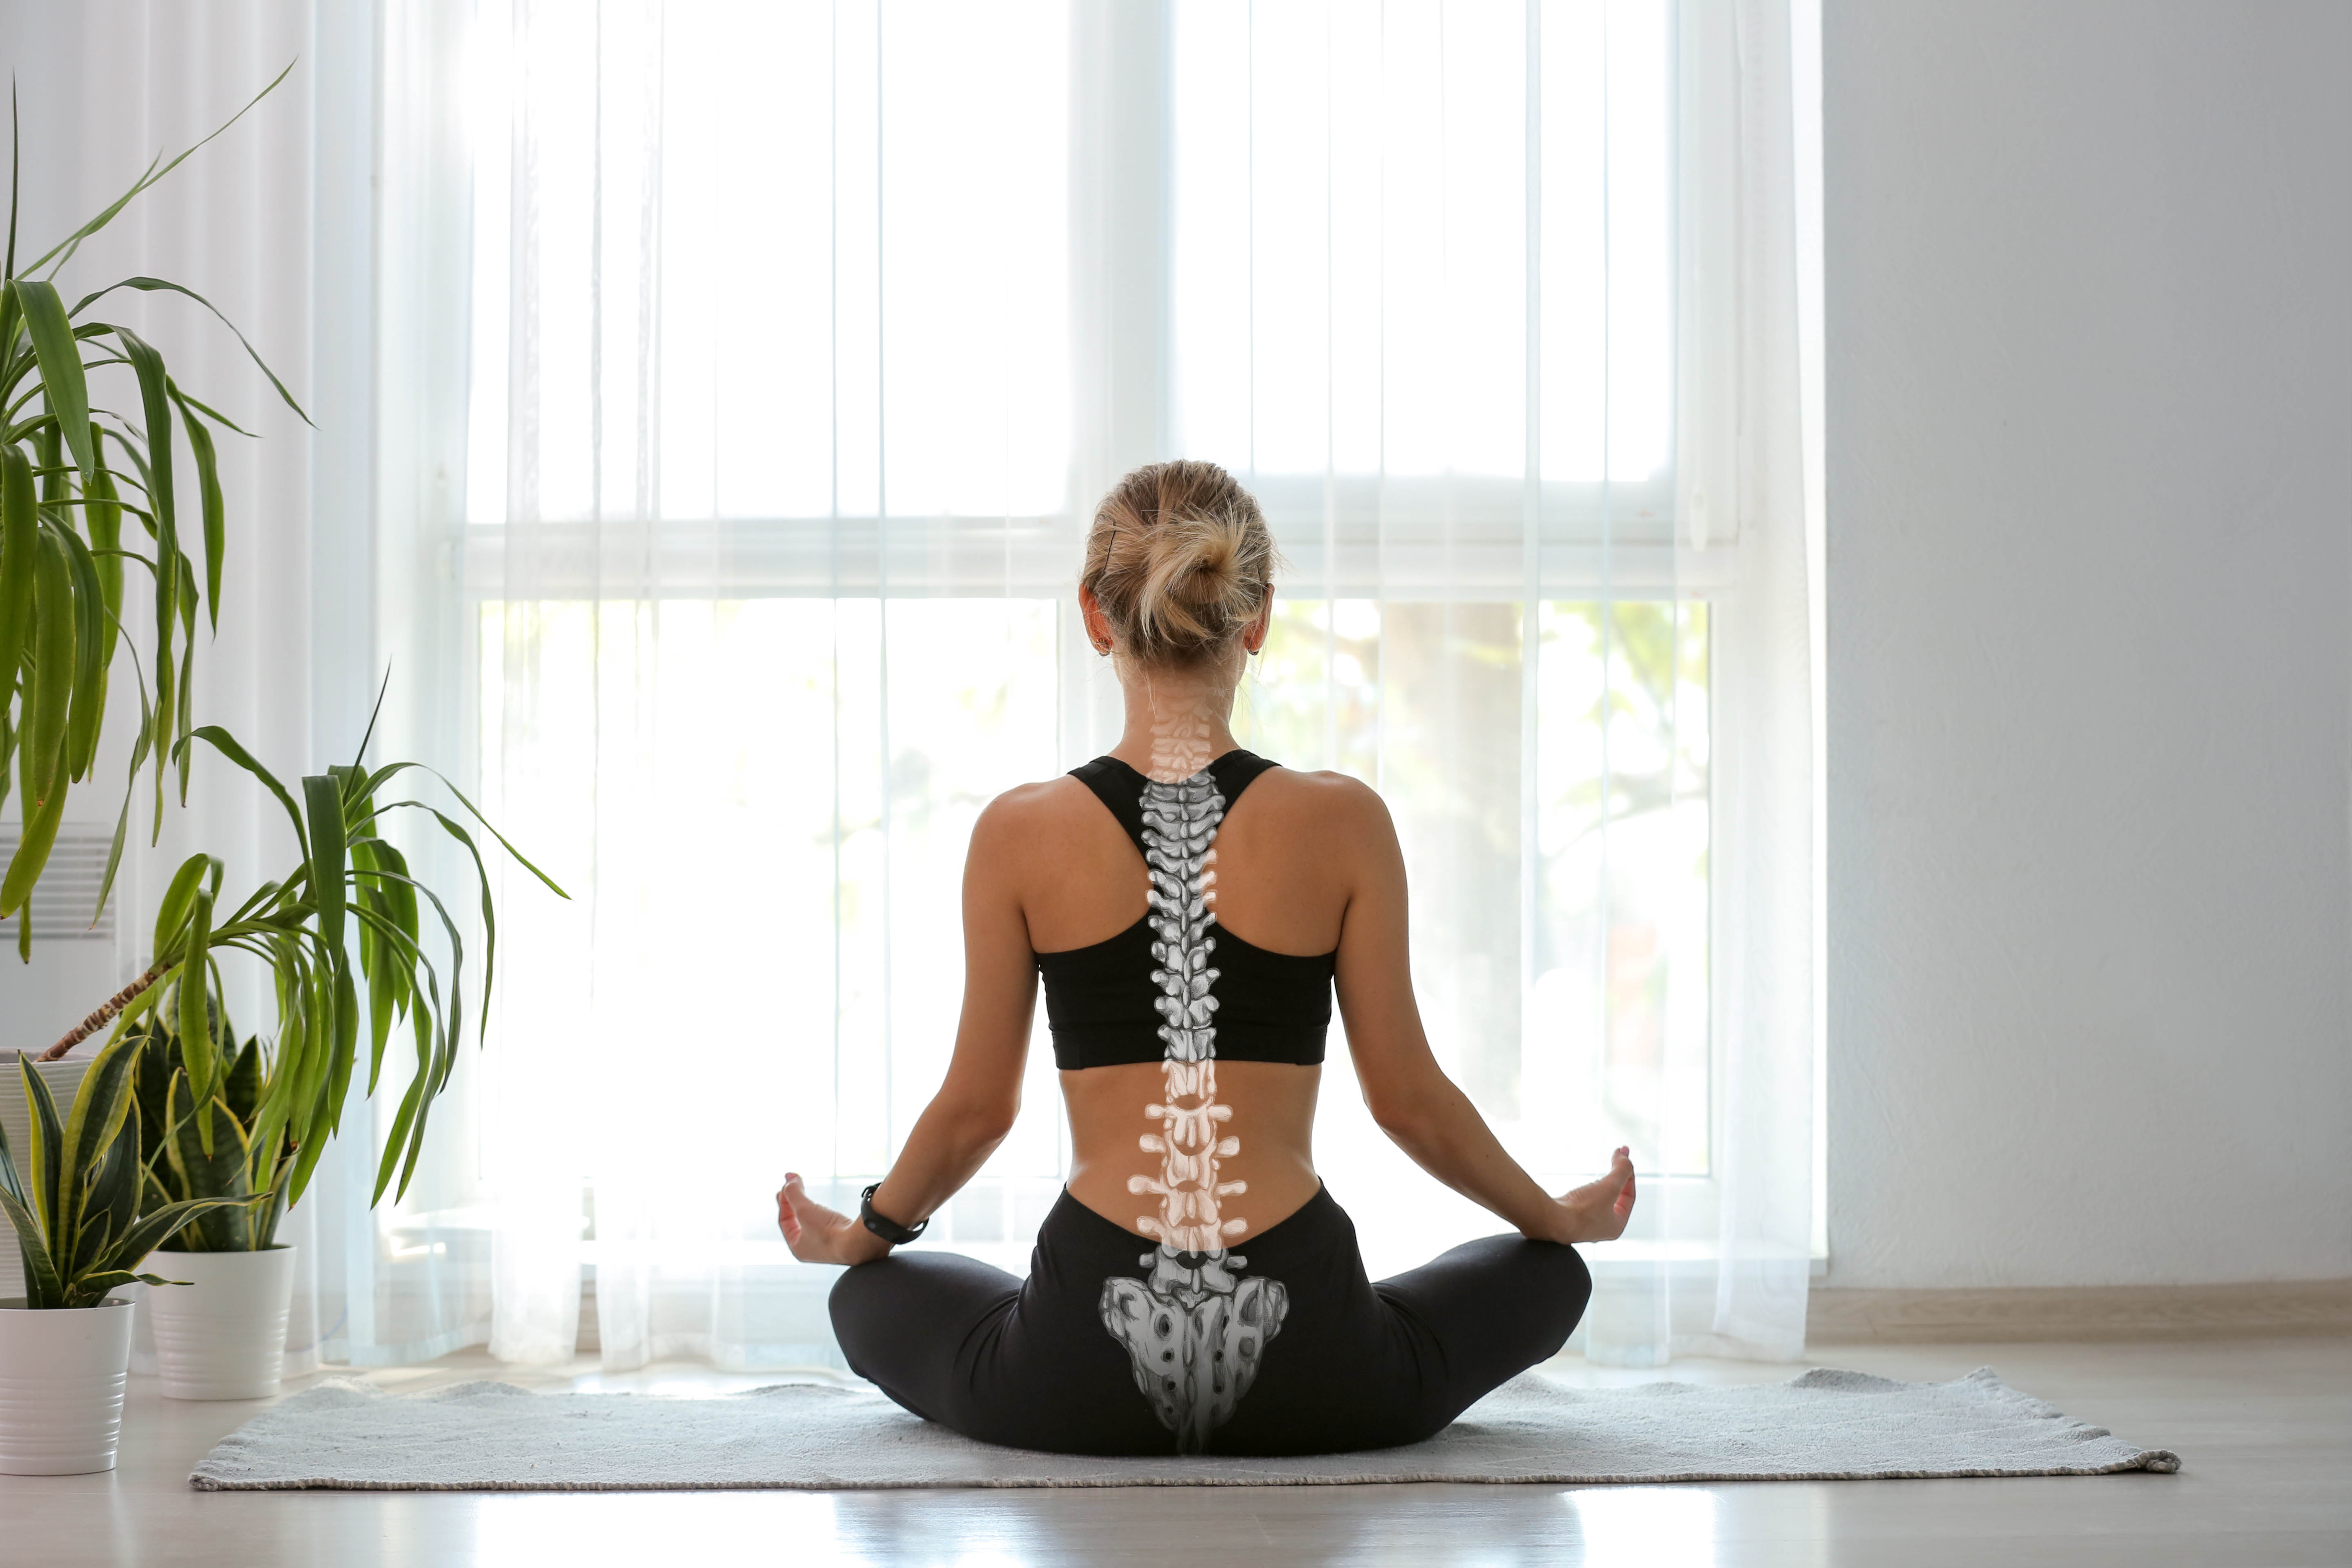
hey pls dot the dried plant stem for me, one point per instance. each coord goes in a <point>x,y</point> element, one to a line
<point>103,1017</point>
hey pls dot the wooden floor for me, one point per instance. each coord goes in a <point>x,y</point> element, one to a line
<point>2264,1428</point>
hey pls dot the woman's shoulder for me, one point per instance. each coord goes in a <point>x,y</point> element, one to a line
<point>1313,798</point>
<point>1029,806</point>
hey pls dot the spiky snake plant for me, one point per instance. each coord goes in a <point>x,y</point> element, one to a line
<point>76,1210</point>
<point>171,1152</point>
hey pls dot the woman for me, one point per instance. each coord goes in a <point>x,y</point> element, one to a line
<point>1189,905</point>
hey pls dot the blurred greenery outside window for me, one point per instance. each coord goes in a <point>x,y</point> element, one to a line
<point>885,726</point>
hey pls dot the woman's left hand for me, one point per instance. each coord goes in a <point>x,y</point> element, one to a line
<point>819,1235</point>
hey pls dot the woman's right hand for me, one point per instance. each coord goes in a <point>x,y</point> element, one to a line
<point>1598,1211</point>
<point>819,1235</point>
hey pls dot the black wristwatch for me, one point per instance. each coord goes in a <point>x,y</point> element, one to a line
<point>890,1230</point>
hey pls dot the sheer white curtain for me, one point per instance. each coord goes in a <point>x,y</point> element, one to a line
<point>803,338</point>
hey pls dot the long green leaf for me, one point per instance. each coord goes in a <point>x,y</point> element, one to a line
<point>325,799</point>
<point>155,469</point>
<point>20,537</point>
<point>156,409</point>
<point>99,1108</point>
<point>457,940</point>
<point>374,787</point>
<point>155,284</point>
<point>92,636</point>
<point>376,965</point>
<point>62,380</point>
<point>228,746</point>
<point>489,913</point>
<point>216,514</point>
<point>130,787</point>
<point>151,1085</point>
<point>241,1090</point>
<point>112,1201</point>
<point>178,899</point>
<point>92,1289</point>
<point>193,1022</point>
<point>15,177</point>
<point>64,249</point>
<point>210,1153</point>
<point>103,515</point>
<point>396,1145</point>
<point>154,1227</point>
<point>301,1048</point>
<point>32,854</point>
<point>183,690</point>
<point>401,955</point>
<point>10,1181</point>
<point>12,1188</point>
<point>215,414</point>
<point>55,635</point>
<point>118,1192</point>
<point>359,757</point>
<point>47,1147</point>
<point>43,1287</point>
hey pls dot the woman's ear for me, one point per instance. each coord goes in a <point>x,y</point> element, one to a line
<point>1098,623</point>
<point>1254,634</point>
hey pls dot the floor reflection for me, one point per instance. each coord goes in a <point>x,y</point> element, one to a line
<point>1652,1526</point>
<point>979,1528</point>
<point>746,1527</point>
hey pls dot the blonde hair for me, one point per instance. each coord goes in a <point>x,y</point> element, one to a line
<point>1180,559</point>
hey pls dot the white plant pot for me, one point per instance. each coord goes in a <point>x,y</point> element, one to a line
<point>61,1376</point>
<point>222,1335</point>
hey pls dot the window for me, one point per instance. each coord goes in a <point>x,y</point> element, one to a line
<point>803,338</point>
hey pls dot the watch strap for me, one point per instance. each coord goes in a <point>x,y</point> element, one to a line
<point>888,1229</point>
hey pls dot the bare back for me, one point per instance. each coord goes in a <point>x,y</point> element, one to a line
<point>1285,876</point>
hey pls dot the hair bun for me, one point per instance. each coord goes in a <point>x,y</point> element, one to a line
<point>1180,561</point>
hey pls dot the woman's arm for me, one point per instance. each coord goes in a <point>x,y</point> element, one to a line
<point>975,1107</point>
<point>1422,1110</point>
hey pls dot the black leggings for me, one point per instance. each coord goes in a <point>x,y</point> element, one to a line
<point>1348,1364</point>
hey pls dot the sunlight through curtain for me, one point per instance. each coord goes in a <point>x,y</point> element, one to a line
<point>803,338</point>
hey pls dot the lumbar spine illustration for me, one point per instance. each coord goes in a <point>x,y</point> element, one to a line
<point>1194,1332</point>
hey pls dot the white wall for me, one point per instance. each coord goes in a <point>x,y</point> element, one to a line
<point>2089,585</point>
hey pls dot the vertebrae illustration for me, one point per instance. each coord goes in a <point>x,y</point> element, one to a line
<point>1194,1332</point>
<point>1179,824</point>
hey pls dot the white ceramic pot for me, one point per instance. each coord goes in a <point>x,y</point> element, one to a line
<point>62,1375</point>
<point>222,1335</point>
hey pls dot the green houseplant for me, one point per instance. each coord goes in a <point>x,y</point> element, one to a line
<point>80,1232</point>
<point>235,1134</point>
<point>174,1164</point>
<point>70,472</point>
<point>77,1211</point>
<point>345,939</point>
<point>348,882</point>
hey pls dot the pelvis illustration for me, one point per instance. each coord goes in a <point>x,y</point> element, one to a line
<point>1195,1336</point>
<point>1193,1329</point>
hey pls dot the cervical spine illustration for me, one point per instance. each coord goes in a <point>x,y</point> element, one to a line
<point>1194,1332</point>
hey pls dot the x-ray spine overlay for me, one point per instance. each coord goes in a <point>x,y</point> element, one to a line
<point>1195,1328</point>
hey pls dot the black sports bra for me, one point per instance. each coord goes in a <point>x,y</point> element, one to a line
<point>1113,1002</point>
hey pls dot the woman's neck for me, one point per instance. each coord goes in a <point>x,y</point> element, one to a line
<point>1177,719</point>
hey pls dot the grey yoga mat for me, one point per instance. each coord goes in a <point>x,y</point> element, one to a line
<point>494,1436</point>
